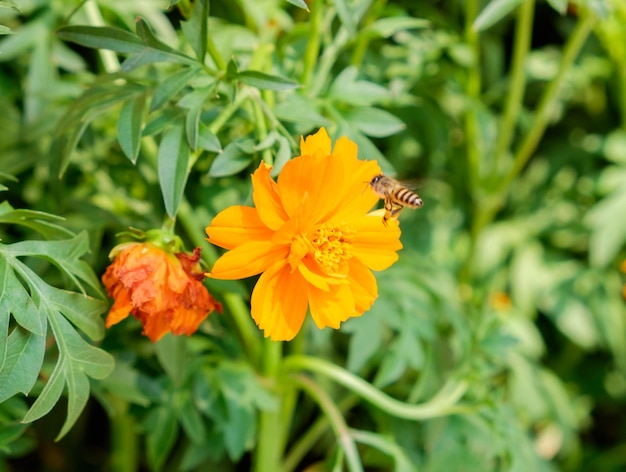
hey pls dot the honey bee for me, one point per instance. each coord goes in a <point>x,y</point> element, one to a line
<point>396,196</point>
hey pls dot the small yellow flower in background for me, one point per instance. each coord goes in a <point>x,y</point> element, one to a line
<point>161,289</point>
<point>310,237</point>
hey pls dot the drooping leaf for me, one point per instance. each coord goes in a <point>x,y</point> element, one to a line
<point>173,162</point>
<point>129,126</point>
<point>196,28</point>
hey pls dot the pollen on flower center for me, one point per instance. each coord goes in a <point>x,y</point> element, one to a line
<point>332,247</point>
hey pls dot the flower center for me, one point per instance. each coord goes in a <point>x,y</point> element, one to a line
<point>331,246</point>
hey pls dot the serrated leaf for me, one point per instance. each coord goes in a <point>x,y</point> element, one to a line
<point>173,163</point>
<point>129,126</point>
<point>264,81</point>
<point>22,362</point>
<point>171,86</point>
<point>494,12</point>
<point>299,3</point>
<point>16,301</point>
<point>43,223</point>
<point>161,430</point>
<point>374,122</point>
<point>230,161</point>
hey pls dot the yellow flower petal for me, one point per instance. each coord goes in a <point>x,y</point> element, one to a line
<point>237,225</point>
<point>249,259</point>
<point>266,198</point>
<point>363,285</point>
<point>332,307</point>
<point>345,148</point>
<point>374,243</point>
<point>279,302</point>
<point>318,143</point>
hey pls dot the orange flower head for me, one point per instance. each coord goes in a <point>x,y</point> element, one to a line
<point>310,237</point>
<point>161,289</point>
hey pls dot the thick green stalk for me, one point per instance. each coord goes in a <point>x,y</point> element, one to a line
<point>124,444</point>
<point>472,91</point>
<point>268,455</point>
<point>517,82</point>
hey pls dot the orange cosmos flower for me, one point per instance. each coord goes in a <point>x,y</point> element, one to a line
<point>311,238</point>
<point>161,289</point>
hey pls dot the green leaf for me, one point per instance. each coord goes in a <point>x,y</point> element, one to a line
<point>346,16</point>
<point>14,299</point>
<point>171,86</point>
<point>374,122</point>
<point>173,354</point>
<point>129,126</point>
<point>230,161</point>
<point>9,5</point>
<point>161,430</point>
<point>22,362</point>
<point>102,37</point>
<point>300,109</point>
<point>265,81</point>
<point>608,233</point>
<point>196,28</point>
<point>386,27</point>
<point>6,30</point>
<point>173,163</point>
<point>283,155</point>
<point>299,3</point>
<point>494,12</point>
<point>347,89</point>
<point>559,5</point>
<point>43,223</point>
<point>207,140</point>
<point>189,416</point>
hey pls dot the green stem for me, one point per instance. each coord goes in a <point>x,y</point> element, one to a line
<point>472,90</point>
<point>109,59</point>
<point>313,43</point>
<point>489,207</point>
<point>260,62</point>
<point>523,33</point>
<point>336,420</point>
<point>230,109</point>
<point>124,444</point>
<point>326,62</point>
<point>386,445</point>
<point>364,40</point>
<point>441,404</point>
<point>312,435</point>
<point>271,430</point>
<point>550,96</point>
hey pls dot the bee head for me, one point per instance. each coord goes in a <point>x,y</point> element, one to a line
<point>375,179</point>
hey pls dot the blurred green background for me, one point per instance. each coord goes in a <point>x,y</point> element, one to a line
<point>510,113</point>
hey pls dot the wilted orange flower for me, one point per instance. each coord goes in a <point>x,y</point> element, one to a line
<point>311,238</point>
<point>161,289</point>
